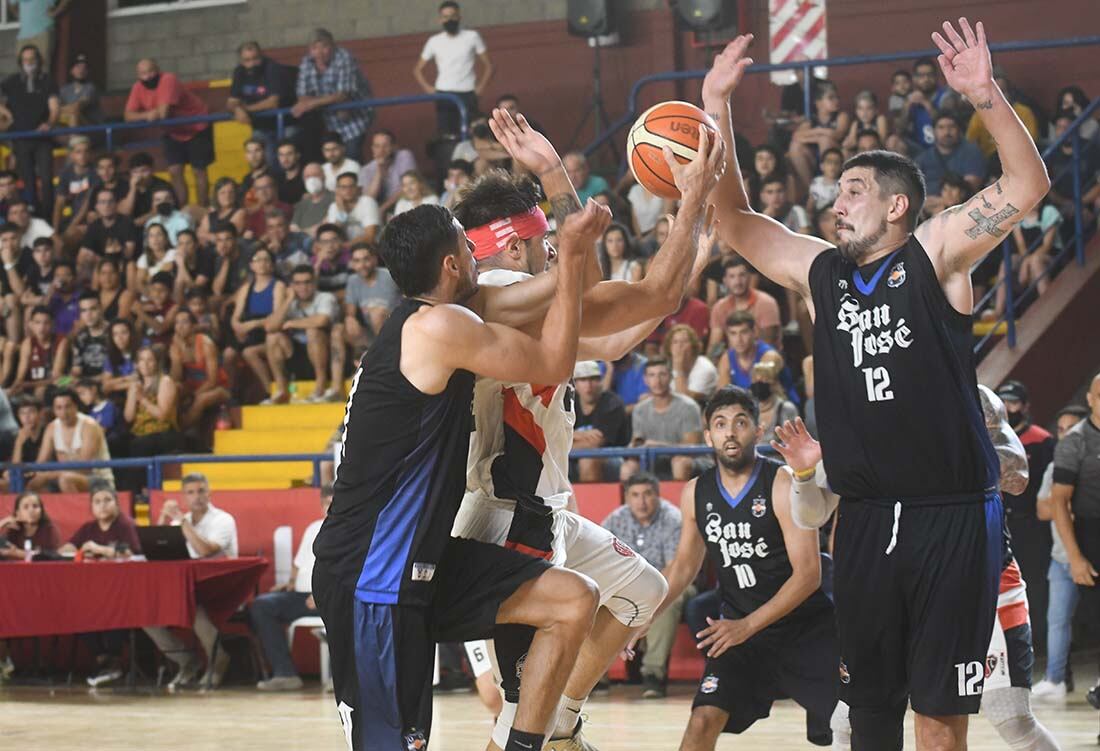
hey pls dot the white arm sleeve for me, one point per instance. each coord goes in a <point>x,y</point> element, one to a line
<point>811,504</point>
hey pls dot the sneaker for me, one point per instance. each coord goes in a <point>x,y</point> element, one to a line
<point>280,683</point>
<point>332,395</point>
<point>214,675</point>
<point>1045,691</point>
<point>280,398</point>
<point>653,687</point>
<point>7,668</point>
<point>103,677</point>
<point>575,742</point>
<point>1093,696</point>
<point>186,677</point>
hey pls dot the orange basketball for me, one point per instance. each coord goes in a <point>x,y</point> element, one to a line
<point>672,124</point>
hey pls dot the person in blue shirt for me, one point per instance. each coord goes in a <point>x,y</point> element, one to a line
<point>950,152</point>
<point>628,379</point>
<point>915,120</point>
<point>37,24</point>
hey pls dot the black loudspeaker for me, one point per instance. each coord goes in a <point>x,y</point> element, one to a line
<point>590,18</point>
<point>707,15</point>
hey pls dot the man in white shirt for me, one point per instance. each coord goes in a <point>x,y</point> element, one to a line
<point>271,613</point>
<point>336,161</point>
<point>355,213</point>
<point>455,52</point>
<point>210,533</point>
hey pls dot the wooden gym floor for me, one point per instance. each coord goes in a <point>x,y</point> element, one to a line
<point>239,719</point>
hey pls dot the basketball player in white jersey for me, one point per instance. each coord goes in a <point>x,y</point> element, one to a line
<point>518,490</point>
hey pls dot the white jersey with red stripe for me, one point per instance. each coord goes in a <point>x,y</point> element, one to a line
<point>1012,598</point>
<point>522,434</point>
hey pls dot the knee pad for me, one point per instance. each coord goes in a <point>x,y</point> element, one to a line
<point>1009,711</point>
<point>842,730</point>
<point>634,604</point>
<point>877,728</point>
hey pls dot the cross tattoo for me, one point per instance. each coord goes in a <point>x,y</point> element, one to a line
<point>989,225</point>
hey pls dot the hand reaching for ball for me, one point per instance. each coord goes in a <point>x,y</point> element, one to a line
<point>696,179</point>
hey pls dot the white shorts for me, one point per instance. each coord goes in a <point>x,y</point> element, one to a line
<point>579,544</point>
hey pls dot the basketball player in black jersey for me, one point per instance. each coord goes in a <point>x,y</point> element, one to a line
<point>776,637</point>
<point>389,580</point>
<point>919,544</point>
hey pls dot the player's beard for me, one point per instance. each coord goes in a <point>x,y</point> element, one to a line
<point>734,463</point>
<point>856,250</point>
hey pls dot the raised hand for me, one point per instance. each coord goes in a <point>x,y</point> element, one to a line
<point>965,60</point>
<point>698,177</point>
<point>727,70</point>
<point>796,445</point>
<point>523,143</point>
<point>581,229</point>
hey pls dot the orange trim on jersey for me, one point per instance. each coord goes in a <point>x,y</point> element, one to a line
<point>519,547</point>
<point>545,394</point>
<point>1013,615</point>
<point>1010,577</point>
<point>523,422</point>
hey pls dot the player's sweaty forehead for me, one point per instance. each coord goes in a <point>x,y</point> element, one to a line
<point>858,177</point>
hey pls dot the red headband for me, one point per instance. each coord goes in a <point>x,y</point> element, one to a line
<point>489,239</point>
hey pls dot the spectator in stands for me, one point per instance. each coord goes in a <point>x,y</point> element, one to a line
<point>33,278</point>
<point>42,355</point>
<point>231,265</point>
<point>369,297</point>
<point>154,317</point>
<point>112,235</point>
<point>91,342</point>
<point>168,215</point>
<point>949,153</point>
<point>106,176</point>
<point>9,190</point>
<point>867,117</point>
<point>1063,591</point>
<point>356,215</point>
<point>1031,541</point>
<point>510,104</point>
<point>79,98</point>
<point>260,84</point>
<point>267,200</point>
<point>693,374</point>
<point>289,248</point>
<point>115,301</point>
<point>28,521</point>
<point>978,134</point>
<point>617,255</point>
<point>108,415</point>
<point>901,84</point>
<point>159,257</point>
<point>71,437</point>
<point>74,191</point>
<point>1036,241</point>
<point>31,102</point>
<point>272,612</point>
<point>138,203</point>
<point>587,184</point>
<point>601,421</point>
<point>38,24</point>
<point>252,306</point>
<point>415,191</point>
<point>741,294</point>
<point>64,300</point>
<point>311,209</point>
<point>744,349</point>
<point>868,140</point>
<point>380,178</point>
<point>1075,498</point>
<point>665,419</point>
<point>194,264</point>
<point>336,160</point>
<point>330,75</point>
<point>299,332</point>
<point>455,53</point>
<point>1059,165</point>
<point>459,174</point>
<point>256,159</point>
<point>288,177</point>
<point>210,533</point>
<point>650,525</point>
<point>774,203</point>
<point>194,365</point>
<point>121,357</point>
<point>626,377</point>
<point>198,302</point>
<point>32,426</point>
<point>160,96</point>
<point>32,227</point>
<point>1073,99</point>
<point>9,427</point>
<point>10,254</point>
<point>825,129</point>
<point>825,187</point>
<point>766,388</point>
<point>227,208</point>
<point>916,121</point>
<point>692,312</point>
<point>152,402</point>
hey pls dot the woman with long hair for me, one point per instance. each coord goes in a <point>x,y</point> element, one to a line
<point>116,301</point>
<point>252,306</point>
<point>151,408</point>
<point>693,374</point>
<point>415,191</point>
<point>121,357</point>
<point>159,255</point>
<point>28,521</point>
<point>227,208</point>
<point>617,255</point>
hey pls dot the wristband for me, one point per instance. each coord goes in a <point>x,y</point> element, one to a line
<point>9,266</point>
<point>805,474</point>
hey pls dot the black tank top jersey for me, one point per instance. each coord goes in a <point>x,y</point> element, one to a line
<point>745,543</point>
<point>401,477</point>
<point>896,394</point>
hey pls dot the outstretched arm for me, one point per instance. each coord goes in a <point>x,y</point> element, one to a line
<point>781,255</point>
<point>961,236</point>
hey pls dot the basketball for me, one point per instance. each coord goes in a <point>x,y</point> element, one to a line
<point>672,124</point>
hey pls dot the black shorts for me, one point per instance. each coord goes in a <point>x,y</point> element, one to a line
<point>298,364</point>
<point>383,656</point>
<point>795,661</point>
<point>916,596</point>
<point>197,151</point>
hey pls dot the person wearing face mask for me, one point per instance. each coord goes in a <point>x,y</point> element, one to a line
<point>80,97</point>
<point>455,52</point>
<point>159,96</point>
<point>774,408</point>
<point>1031,539</point>
<point>168,216</point>
<point>311,209</point>
<point>31,101</point>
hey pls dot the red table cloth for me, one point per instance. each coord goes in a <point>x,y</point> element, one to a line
<point>40,599</point>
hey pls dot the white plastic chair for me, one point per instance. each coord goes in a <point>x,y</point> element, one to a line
<point>283,547</point>
<point>317,628</point>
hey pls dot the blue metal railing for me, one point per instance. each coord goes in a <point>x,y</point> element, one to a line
<point>109,129</point>
<point>154,465</point>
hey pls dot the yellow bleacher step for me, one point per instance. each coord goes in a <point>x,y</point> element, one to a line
<point>279,441</point>
<point>293,417</point>
<point>173,486</point>
<point>302,389</point>
<point>258,473</point>
<point>981,328</point>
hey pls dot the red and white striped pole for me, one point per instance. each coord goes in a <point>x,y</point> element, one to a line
<point>796,32</point>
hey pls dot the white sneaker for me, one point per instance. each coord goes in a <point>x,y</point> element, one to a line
<point>1049,692</point>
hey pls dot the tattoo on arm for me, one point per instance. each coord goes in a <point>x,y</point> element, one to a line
<point>997,185</point>
<point>986,105</point>
<point>990,225</point>
<point>563,205</point>
<point>985,203</point>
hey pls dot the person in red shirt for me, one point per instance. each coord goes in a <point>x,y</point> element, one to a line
<point>159,96</point>
<point>692,312</point>
<point>741,294</point>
